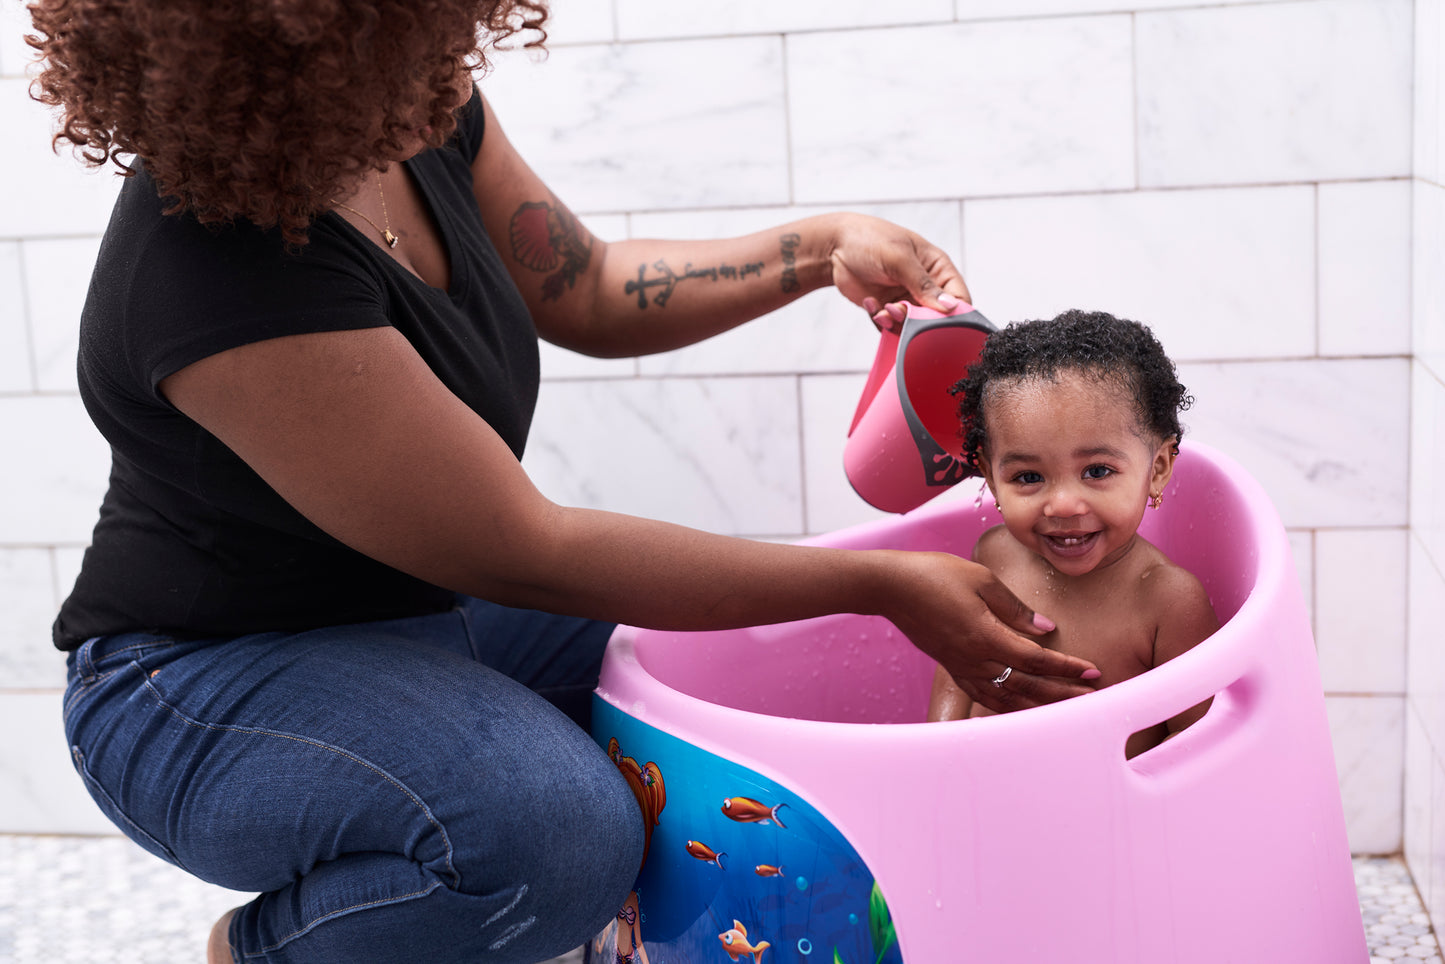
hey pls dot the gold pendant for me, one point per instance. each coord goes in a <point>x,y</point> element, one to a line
<point>391,239</point>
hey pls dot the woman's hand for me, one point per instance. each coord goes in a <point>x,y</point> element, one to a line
<point>877,265</point>
<point>957,612</point>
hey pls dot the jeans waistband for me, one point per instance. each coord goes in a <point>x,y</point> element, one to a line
<point>90,658</point>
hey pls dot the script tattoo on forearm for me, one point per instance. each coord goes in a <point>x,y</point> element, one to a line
<point>547,238</point>
<point>790,243</point>
<point>666,280</point>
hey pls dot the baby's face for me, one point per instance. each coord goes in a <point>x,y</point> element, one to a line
<point>1071,468</point>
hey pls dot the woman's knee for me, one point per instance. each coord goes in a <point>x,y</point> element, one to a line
<point>565,811</point>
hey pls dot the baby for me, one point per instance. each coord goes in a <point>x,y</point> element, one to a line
<point>1074,425</point>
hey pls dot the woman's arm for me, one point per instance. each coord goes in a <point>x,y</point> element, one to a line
<point>642,296</point>
<point>354,430</point>
<point>946,701</point>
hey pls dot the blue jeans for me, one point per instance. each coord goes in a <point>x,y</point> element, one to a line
<point>396,791</point>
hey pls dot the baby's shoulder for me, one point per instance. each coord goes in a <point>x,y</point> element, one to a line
<point>1177,599</point>
<point>996,546</point>
<point>1162,577</point>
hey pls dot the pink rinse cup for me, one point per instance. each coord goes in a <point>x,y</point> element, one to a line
<point>904,446</point>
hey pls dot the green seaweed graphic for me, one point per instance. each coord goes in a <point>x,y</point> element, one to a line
<point>880,924</point>
<point>880,927</point>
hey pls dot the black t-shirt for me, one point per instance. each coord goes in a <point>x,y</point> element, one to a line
<point>190,540</point>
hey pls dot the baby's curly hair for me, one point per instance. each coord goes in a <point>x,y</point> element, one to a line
<point>1115,350</point>
<point>262,109</point>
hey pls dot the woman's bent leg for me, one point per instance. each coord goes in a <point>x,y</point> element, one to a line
<point>393,801</point>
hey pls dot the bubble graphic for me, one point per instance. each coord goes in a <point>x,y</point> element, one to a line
<point>805,946</point>
<point>802,883</point>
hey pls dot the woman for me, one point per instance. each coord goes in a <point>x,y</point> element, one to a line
<point>315,638</point>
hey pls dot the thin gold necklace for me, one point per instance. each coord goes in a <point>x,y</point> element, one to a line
<point>391,239</point>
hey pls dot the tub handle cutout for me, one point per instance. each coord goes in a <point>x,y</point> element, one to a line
<point>1227,719</point>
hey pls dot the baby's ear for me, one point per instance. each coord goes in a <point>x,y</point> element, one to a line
<point>981,460</point>
<point>985,470</point>
<point>1163,466</point>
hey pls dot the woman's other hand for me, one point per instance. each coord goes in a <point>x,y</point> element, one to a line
<point>878,265</point>
<point>957,612</point>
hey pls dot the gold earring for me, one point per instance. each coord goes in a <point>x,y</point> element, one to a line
<point>1156,500</point>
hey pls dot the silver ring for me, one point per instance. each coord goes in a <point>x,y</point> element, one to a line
<point>1002,678</point>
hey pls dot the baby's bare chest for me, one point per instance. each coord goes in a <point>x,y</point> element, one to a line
<point>1120,651</point>
<point>1112,630</point>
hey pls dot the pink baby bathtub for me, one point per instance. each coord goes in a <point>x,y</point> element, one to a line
<point>805,812</point>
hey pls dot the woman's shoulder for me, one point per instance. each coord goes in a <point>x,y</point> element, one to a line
<point>471,125</point>
<point>167,289</point>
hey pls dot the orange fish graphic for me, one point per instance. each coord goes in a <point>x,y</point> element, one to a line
<point>744,810</point>
<point>705,853</point>
<point>768,870</point>
<point>735,942</point>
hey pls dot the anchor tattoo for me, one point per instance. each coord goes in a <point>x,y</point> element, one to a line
<point>668,279</point>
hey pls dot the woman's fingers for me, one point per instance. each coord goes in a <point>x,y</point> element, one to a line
<point>959,613</point>
<point>1022,690</point>
<point>939,285</point>
<point>1025,674</point>
<point>1011,610</point>
<point>880,265</point>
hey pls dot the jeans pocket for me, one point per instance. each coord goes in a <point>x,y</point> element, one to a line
<point>115,814</point>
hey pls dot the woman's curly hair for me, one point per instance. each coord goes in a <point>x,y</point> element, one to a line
<point>265,110</point>
<point>1117,351</point>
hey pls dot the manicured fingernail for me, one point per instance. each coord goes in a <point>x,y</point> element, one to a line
<point>871,305</point>
<point>1044,623</point>
<point>897,312</point>
<point>1091,674</point>
<point>948,301</point>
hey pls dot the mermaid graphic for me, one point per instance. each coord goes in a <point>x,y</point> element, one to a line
<point>647,785</point>
<point>629,940</point>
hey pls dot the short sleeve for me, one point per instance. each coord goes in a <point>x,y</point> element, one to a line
<point>471,125</point>
<point>168,291</point>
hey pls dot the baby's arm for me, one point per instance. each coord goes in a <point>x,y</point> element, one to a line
<point>1185,619</point>
<point>947,701</point>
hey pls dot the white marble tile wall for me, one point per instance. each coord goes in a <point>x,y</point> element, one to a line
<point>944,111</point>
<point>1307,91</point>
<point>1239,175</point>
<point>14,24</point>
<point>1139,254</point>
<point>16,370</point>
<point>1425,702</point>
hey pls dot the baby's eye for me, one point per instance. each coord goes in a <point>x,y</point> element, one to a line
<point>1028,478</point>
<point>1098,472</point>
